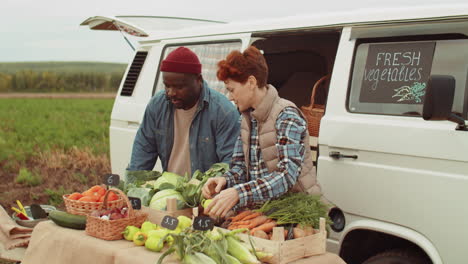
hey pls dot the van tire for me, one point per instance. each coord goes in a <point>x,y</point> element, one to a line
<point>397,256</point>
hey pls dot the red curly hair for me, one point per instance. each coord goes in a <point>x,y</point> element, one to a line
<point>239,66</point>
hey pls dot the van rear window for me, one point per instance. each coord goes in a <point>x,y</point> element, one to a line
<point>209,54</point>
<point>390,78</point>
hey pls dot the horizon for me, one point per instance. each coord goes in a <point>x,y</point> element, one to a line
<point>3,62</point>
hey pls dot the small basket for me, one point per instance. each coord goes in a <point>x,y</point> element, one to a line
<point>314,112</point>
<point>112,229</point>
<point>85,208</point>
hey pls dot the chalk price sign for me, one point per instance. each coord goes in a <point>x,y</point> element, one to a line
<point>169,222</point>
<point>203,223</point>
<point>136,202</point>
<point>111,179</point>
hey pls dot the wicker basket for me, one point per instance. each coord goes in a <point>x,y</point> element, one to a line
<point>85,208</point>
<point>112,229</point>
<point>314,112</point>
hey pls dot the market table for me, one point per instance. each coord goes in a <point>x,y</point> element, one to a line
<point>53,244</point>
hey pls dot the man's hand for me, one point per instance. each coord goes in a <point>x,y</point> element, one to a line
<point>213,186</point>
<point>222,203</point>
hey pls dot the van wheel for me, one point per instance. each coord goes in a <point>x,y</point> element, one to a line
<point>397,256</point>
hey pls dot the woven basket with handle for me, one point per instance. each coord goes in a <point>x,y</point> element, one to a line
<point>314,112</point>
<point>112,229</point>
<point>85,208</point>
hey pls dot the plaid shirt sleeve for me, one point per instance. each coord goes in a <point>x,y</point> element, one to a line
<point>290,127</point>
<point>238,172</point>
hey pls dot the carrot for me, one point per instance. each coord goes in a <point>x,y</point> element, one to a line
<point>308,229</point>
<point>241,215</point>
<point>240,227</point>
<point>260,234</point>
<point>242,222</point>
<point>251,216</point>
<point>259,220</point>
<point>299,232</point>
<point>266,227</point>
<point>254,221</point>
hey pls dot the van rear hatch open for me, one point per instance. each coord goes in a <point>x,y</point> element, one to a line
<point>144,26</point>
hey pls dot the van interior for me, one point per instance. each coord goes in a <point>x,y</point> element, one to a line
<point>297,60</point>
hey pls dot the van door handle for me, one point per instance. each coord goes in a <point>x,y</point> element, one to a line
<point>338,155</point>
<point>133,124</point>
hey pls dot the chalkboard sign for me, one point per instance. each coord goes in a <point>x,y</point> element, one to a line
<point>169,222</point>
<point>203,223</point>
<point>111,179</point>
<point>136,202</point>
<point>397,73</point>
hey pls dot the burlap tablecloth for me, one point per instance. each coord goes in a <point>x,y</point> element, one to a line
<point>12,235</point>
<point>13,238</point>
<point>53,244</point>
<point>13,255</point>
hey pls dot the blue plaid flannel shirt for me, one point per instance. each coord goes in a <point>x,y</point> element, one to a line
<point>258,185</point>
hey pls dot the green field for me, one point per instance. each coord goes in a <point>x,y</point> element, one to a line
<point>51,147</point>
<point>31,126</point>
<point>74,77</point>
<point>63,67</point>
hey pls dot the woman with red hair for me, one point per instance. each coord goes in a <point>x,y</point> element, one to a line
<point>272,154</point>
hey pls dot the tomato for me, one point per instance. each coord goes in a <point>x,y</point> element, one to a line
<point>98,189</point>
<point>75,196</point>
<point>110,197</point>
<point>88,199</point>
<point>95,192</point>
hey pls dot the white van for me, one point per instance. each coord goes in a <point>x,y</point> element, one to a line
<point>399,182</point>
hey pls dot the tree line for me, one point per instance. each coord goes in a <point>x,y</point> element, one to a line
<point>48,81</point>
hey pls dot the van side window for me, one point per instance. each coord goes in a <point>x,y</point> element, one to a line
<point>390,78</point>
<point>209,54</point>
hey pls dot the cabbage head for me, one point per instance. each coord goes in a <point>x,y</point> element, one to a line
<point>143,193</point>
<point>168,180</point>
<point>159,200</point>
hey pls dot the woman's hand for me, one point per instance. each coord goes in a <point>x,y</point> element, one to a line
<point>222,203</point>
<point>213,186</point>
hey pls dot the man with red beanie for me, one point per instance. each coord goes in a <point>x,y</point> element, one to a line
<point>188,126</point>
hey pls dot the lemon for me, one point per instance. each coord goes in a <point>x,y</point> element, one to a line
<point>207,202</point>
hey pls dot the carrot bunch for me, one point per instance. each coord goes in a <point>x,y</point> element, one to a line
<point>254,221</point>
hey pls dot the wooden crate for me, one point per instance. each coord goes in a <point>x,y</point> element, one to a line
<point>156,216</point>
<point>285,251</point>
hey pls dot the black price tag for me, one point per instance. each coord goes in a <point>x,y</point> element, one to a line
<point>169,222</point>
<point>136,202</point>
<point>203,223</point>
<point>111,179</point>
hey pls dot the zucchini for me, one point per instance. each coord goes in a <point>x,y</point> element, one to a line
<point>68,220</point>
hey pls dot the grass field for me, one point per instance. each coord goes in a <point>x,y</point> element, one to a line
<point>52,146</point>
<point>66,66</point>
<point>30,126</point>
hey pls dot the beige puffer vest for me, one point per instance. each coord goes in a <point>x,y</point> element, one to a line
<point>266,114</point>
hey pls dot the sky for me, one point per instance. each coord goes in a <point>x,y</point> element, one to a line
<point>48,30</point>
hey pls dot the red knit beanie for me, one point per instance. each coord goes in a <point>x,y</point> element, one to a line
<point>181,60</point>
